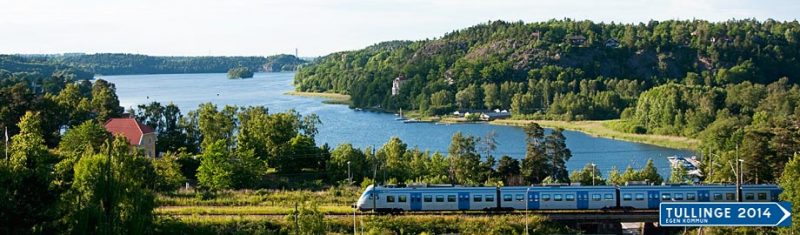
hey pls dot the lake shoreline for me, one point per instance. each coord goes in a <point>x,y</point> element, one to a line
<point>601,129</point>
<point>330,98</point>
<point>592,128</point>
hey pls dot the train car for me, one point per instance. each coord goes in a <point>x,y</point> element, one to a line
<point>416,198</point>
<point>649,197</point>
<point>575,197</point>
<point>560,197</point>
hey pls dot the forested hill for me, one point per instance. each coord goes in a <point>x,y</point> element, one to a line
<point>117,64</point>
<point>550,66</point>
<point>39,68</point>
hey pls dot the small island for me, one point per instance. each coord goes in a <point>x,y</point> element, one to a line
<point>240,72</point>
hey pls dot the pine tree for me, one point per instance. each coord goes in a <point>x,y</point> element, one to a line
<point>535,166</point>
<point>558,154</point>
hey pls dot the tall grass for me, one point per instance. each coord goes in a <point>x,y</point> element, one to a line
<point>244,210</point>
<point>334,196</point>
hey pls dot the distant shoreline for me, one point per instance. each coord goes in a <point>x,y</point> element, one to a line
<point>601,129</point>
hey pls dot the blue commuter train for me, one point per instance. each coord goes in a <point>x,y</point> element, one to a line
<point>551,197</point>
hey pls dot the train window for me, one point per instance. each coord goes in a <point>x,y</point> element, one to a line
<point>570,197</point>
<point>690,197</point>
<point>519,197</point>
<point>762,196</point>
<point>439,198</point>
<point>717,197</point>
<point>749,196</point>
<point>545,197</point>
<point>626,197</point>
<point>489,198</point>
<point>428,198</point>
<point>401,198</point>
<point>608,197</point>
<point>389,198</point>
<point>506,197</point>
<point>557,197</point>
<point>679,196</point>
<point>451,198</point>
<point>730,196</point>
<point>596,197</point>
<point>477,198</point>
<point>640,196</point>
<point>666,197</point>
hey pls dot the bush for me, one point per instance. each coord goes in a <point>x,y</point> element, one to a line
<point>168,174</point>
<point>638,129</point>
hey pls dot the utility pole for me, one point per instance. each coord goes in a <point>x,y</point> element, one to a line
<point>375,172</point>
<point>594,169</point>
<point>711,164</point>
<point>527,211</point>
<point>349,176</point>
<point>740,176</point>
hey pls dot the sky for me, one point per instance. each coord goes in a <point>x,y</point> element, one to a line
<point>313,27</point>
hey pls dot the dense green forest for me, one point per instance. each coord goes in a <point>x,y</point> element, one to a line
<point>118,64</point>
<point>39,68</point>
<point>561,69</point>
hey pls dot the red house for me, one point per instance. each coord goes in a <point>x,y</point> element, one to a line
<point>138,134</point>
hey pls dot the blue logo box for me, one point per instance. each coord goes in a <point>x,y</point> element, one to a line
<point>769,214</point>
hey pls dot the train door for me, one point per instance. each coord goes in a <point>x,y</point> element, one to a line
<point>416,201</point>
<point>774,195</point>
<point>702,196</point>
<point>463,201</point>
<point>653,199</point>
<point>583,200</point>
<point>533,200</point>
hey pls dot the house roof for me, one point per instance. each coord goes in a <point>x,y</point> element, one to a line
<point>132,129</point>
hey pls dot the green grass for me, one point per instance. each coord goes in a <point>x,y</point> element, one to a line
<point>605,129</point>
<point>330,98</point>
<point>244,210</point>
<point>335,196</point>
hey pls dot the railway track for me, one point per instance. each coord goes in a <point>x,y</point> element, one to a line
<point>622,215</point>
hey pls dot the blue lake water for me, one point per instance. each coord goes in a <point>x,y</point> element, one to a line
<point>362,129</point>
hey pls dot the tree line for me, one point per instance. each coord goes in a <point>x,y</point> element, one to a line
<point>123,64</point>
